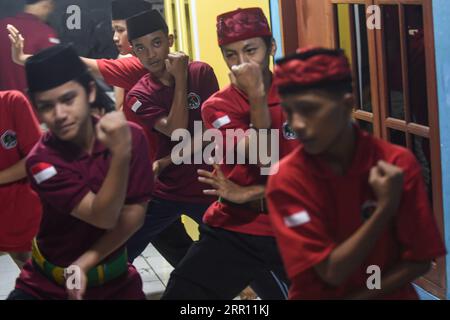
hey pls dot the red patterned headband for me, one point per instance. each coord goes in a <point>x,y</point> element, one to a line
<point>242,24</point>
<point>311,67</point>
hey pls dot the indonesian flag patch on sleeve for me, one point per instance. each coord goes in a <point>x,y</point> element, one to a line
<point>43,171</point>
<point>135,104</point>
<point>222,121</point>
<point>297,219</point>
<point>54,40</point>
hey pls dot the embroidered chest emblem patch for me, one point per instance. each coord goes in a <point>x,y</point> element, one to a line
<point>9,139</point>
<point>288,133</point>
<point>194,101</point>
<point>367,209</point>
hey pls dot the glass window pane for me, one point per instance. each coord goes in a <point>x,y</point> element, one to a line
<point>362,55</point>
<point>397,137</point>
<point>416,64</point>
<point>393,65</point>
<point>421,148</point>
<point>357,47</point>
<point>366,126</point>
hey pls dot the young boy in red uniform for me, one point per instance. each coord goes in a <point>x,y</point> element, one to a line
<point>173,241</point>
<point>120,11</point>
<point>345,201</point>
<point>123,73</point>
<point>32,22</point>
<point>168,98</point>
<point>94,184</point>
<point>237,247</point>
<point>20,212</point>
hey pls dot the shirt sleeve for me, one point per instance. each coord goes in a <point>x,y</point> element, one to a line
<point>301,232</point>
<point>140,180</point>
<point>123,73</point>
<point>147,107</point>
<point>25,123</point>
<point>49,39</point>
<point>220,114</point>
<point>60,187</point>
<point>416,225</point>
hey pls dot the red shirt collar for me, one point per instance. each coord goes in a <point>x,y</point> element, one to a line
<point>153,83</point>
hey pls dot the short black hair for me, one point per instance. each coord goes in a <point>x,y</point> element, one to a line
<point>268,41</point>
<point>102,101</point>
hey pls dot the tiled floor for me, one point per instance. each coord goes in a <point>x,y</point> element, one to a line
<point>154,270</point>
<point>8,274</point>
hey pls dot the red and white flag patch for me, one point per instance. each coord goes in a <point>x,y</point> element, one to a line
<point>136,104</point>
<point>297,219</point>
<point>222,121</point>
<point>43,171</point>
<point>54,40</point>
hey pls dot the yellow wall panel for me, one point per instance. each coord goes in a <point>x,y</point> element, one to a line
<point>345,41</point>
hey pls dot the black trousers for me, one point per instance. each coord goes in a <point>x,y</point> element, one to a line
<point>222,263</point>
<point>164,229</point>
<point>173,242</point>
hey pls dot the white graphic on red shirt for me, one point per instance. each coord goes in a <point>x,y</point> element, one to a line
<point>194,101</point>
<point>9,139</point>
<point>54,40</point>
<point>136,105</point>
<point>297,219</point>
<point>222,121</point>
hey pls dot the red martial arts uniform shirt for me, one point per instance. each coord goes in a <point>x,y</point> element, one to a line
<point>63,175</point>
<point>151,100</point>
<point>125,73</point>
<point>230,109</point>
<point>314,210</point>
<point>38,36</point>
<point>20,209</point>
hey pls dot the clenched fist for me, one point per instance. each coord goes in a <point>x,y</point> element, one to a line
<point>113,131</point>
<point>386,181</point>
<point>249,78</point>
<point>177,65</point>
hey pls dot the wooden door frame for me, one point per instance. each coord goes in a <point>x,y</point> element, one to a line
<point>379,118</point>
<point>371,117</point>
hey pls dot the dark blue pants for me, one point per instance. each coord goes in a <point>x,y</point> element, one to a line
<point>164,229</point>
